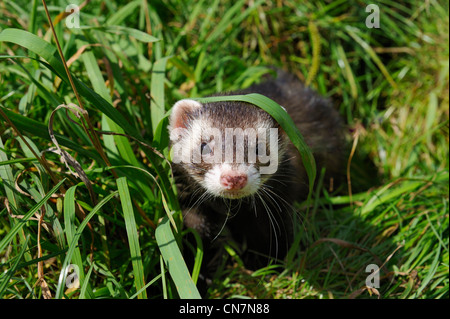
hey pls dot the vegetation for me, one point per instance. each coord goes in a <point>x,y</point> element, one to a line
<point>84,178</point>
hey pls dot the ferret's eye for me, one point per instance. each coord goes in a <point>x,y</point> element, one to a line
<point>205,149</point>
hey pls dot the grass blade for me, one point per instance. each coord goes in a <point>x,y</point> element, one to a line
<point>386,194</point>
<point>10,235</point>
<point>39,129</point>
<point>85,286</point>
<point>372,54</point>
<point>198,255</point>
<point>157,109</point>
<point>123,12</point>
<point>315,41</point>
<point>6,277</point>
<point>73,244</point>
<point>133,239</point>
<point>174,261</point>
<point>69,221</point>
<point>49,53</point>
<point>7,177</point>
<point>137,34</point>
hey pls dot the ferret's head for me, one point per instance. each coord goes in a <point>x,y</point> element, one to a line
<point>229,148</point>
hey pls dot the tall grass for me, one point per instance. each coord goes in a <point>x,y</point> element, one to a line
<point>103,199</point>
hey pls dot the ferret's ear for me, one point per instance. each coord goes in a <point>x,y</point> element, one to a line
<point>180,112</point>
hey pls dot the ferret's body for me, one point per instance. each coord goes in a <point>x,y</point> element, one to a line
<point>255,209</point>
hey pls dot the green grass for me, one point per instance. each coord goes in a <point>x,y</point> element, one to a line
<point>111,208</point>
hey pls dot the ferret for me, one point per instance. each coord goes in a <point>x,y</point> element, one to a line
<point>240,193</point>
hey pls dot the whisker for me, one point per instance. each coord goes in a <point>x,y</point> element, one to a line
<point>289,210</point>
<point>271,219</point>
<point>223,226</point>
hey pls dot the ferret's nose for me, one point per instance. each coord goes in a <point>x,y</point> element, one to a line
<point>233,180</point>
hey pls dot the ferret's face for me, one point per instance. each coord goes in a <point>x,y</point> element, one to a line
<point>229,148</point>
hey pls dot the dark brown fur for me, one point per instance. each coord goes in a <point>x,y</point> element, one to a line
<point>248,222</point>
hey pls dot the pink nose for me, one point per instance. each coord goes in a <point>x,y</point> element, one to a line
<point>233,180</point>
